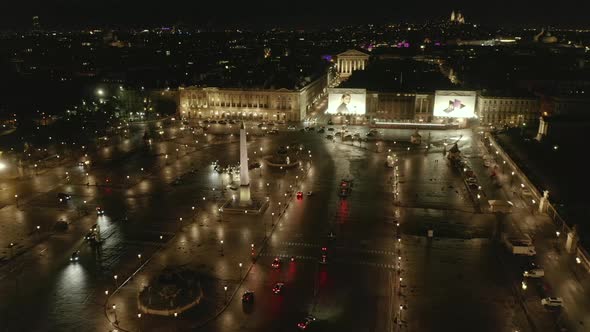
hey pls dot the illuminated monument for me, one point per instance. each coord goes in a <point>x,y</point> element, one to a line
<point>244,203</point>
<point>244,176</point>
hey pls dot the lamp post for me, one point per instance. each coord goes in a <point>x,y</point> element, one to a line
<point>16,199</point>
<point>225,291</point>
<point>273,218</point>
<point>221,244</point>
<point>116,283</point>
<point>115,313</point>
<point>240,264</point>
<point>11,250</point>
<point>139,322</point>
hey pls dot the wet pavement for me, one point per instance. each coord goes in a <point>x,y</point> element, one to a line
<point>455,279</point>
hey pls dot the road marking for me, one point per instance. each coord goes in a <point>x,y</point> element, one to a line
<point>340,248</point>
<point>310,258</point>
<point>300,244</point>
<point>334,261</point>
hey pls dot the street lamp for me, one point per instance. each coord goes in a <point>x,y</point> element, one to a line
<point>240,270</point>
<point>116,283</point>
<point>221,244</point>
<point>139,321</point>
<point>115,313</point>
<point>225,289</point>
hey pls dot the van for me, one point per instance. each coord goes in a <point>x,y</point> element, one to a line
<point>500,206</point>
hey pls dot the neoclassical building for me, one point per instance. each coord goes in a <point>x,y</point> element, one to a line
<point>350,61</point>
<point>507,110</point>
<point>255,104</point>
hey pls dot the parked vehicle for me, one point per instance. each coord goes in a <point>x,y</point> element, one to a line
<point>534,273</point>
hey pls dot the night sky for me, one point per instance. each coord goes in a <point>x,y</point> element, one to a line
<point>65,13</point>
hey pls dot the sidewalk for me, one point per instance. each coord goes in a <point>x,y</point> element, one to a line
<point>566,278</point>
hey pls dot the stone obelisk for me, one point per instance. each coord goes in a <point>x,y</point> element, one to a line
<point>245,199</point>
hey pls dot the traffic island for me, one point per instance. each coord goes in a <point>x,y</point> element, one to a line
<point>253,207</point>
<point>174,290</point>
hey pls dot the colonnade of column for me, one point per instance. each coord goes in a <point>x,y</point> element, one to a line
<point>347,66</point>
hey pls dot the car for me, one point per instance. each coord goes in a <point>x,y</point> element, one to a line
<point>552,302</point>
<point>299,194</point>
<point>330,129</point>
<point>471,180</point>
<point>309,193</point>
<point>321,131</point>
<point>248,297</point>
<point>99,211</point>
<point>61,225</point>
<point>212,121</point>
<point>177,181</point>
<point>305,322</point>
<point>222,122</point>
<point>90,236</point>
<point>276,263</point>
<point>330,137</point>
<point>254,165</point>
<point>534,273</point>
<point>270,124</point>
<point>281,122</point>
<point>278,287</point>
<point>324,256</point>
<point>232,122</point>
<point>473,186</point>
<point>291,128</point>
<point>63,197</point>
<point>273,131</point>
<point>75,256</point>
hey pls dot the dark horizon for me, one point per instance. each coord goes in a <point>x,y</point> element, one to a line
<point>69,13</point>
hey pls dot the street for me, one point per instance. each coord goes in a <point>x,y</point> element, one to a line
<point>382,272</point>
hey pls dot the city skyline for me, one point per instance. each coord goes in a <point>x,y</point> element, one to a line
<point>67,13</point>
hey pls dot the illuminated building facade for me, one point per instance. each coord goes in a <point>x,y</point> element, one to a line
<point>255,104</point>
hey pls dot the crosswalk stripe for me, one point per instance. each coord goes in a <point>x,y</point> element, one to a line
<point>337,261</point>
<point>313,245</point>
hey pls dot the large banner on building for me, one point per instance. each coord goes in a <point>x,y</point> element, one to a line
<point>347,101</point>
<point>454,104</point>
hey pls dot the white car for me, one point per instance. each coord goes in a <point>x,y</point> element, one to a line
<point>534,273</point>
<point>552,302</point>
<point>309,193</point>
